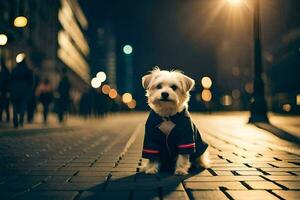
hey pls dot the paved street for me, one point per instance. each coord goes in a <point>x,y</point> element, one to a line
<point>100,159</point>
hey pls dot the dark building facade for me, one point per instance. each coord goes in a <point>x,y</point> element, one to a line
<point>53,39</point>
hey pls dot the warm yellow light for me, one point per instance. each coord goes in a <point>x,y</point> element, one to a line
<point>20,57</point>
<point>206,95</point>
<point>20,21</point>
<point>127,97</point>
<point>113,93</point>
<point>249,87</point>
<point>235,2</point>
<point>206,82</point>
<point>226,100</point>
<point>132,104</point>
<point>3,39</point>
<point>101,76</point>
<point>298,99</point>
<point>105,89</point>
<point>95,83</point>
<point>287,107</point>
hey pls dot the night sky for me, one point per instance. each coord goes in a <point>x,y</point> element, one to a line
<point>186,34</point>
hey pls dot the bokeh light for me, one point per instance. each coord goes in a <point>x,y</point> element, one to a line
<point>206,95</point>
<point>101,76</point>
<point>206,82</point>
<point>132,104</point>
<point>226,100</point>
<point>126,97</point>
<point>95,83</point>
<point>20,57</point>
<point>287,107</point>
<point>113,93</point>
<point>3,39</point>
<point>20,21</point>
<point>105,89</point>
<point>236,94</point>
<point>127,49</point>
<point>249,87</point>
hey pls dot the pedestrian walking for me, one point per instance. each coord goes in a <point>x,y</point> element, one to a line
<point>44,93</point>
<point>63,97</point>
<point>21,85</point>
<point>4,90</point>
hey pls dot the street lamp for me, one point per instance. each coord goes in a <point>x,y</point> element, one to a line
<point>258,108</point>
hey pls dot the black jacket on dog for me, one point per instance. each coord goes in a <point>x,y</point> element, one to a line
<point>165,138</point>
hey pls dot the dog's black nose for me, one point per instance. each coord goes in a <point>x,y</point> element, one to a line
<point>164,95</point>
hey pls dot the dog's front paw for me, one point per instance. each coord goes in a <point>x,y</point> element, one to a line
<point>152,170</point>
<point>181,171</point>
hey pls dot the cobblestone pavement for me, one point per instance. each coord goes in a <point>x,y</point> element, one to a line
<point>101,160</point>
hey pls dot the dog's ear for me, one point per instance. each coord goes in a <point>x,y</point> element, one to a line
<point>188,83</point>
<point>146,80</point>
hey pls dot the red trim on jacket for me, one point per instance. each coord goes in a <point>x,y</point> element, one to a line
<point>191,145</point>
<point>151,151</point>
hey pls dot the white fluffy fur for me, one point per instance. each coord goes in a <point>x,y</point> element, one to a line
<point>155,83</point>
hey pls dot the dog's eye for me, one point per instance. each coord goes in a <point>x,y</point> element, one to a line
<point>158,86</point>
<point>174,87</point>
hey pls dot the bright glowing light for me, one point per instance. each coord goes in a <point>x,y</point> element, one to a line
<point>127,49</point>
<point>20,57</point>
<point>3,39</point>
<point>126,97</point>
<point>20,21</point>
<point>132,104</point>
<point>298,99</point>
<point>287,107</point>
<point>105,89</point>
<point>95,83</point>
<point>226,100</point>
<point>235,2</point>
<point>206,82</point>
<point>113,93</point>
<point>206,95</point>
<point>101,76</point>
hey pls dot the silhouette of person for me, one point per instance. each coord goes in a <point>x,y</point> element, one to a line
<point>63,99</point>
<point>21,85</point>
<point>44,92</point>
<point>4,90</point>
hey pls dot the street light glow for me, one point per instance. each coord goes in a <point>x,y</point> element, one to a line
<point>127,49</point>
<point>206,95</point>
<point>101,76</point>
<point>20,21</point>
<point>20,57</point>
<point>113,93</point>
<point>127,97</point>
<point>235,2</point>
<point>206,82</point>
<point>95,83</point>
<point>3,39</point>
<point>105,89</point>
<point>132,104</point>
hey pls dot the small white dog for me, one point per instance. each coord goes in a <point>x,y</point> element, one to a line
<point>171,138</point>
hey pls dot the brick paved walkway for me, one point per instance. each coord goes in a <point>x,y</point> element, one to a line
<point>101,161</point>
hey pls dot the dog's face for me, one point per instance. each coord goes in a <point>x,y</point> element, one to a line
<point>167,91</point>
